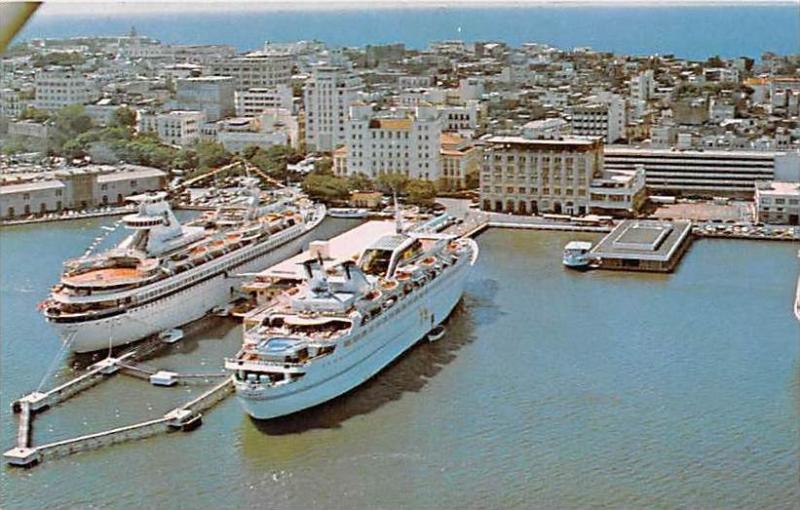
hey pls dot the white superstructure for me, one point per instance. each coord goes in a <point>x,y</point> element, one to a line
<point>348,321</point>
<point>166,274</point>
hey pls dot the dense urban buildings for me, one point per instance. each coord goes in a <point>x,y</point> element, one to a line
<point>625,127</point>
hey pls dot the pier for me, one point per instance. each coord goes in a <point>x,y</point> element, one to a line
<point>187,416</point>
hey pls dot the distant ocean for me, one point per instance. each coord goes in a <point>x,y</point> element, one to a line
<point>687,31</point>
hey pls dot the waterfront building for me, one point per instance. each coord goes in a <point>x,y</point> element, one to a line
<point>460,159</point>
<point>702,173</point>
<point>328,95</point>
<point>212,94</point>
<point>28,198</point>
<point>178,127</point>
<point>78,188</point>
<point>525,175</point>
<point>395,142</point>
<point>256,70</point>
<point>778,202</point>
<point>619,193</point>
<point>253,102</point>
<point>57,87</point>
<point>644,245</point>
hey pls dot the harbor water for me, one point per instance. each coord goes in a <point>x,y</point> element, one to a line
<point>550,389</point>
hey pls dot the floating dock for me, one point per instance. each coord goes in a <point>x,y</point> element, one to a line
<point>644,245</point>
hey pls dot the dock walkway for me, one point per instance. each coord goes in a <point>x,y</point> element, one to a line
<point>186,417</point>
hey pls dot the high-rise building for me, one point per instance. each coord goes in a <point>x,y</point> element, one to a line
<point>328,95</point>
<point>394,142</point>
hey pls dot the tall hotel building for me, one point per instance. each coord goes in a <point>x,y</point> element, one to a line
<point>328,95</point>
<point>529,176</point>
<point>394,142</point>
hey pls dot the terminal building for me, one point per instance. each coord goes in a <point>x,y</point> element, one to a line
<point>78,188</point>
<point>704,173</point>
<point>644,245</point>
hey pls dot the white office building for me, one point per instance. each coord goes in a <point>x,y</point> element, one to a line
<point>178,127</point>
<point>328,95</point>
<point>394,142</point>
<point>256,70</point>
<point>57,87</point>
<point>606,119</point>
<point>253,102</point>
<point>703,173</point>
<point>778,202</point>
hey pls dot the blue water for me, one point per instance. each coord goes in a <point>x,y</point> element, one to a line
<point>688,31</point>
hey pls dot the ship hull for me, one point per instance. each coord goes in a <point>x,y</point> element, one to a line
<point>364,358</point>
<point>173,310</point>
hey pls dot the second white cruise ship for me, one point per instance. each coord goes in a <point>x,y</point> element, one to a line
<point>347,322</point>
<point>166,274</point>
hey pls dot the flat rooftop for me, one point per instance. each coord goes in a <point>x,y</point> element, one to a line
<point>341,248</point>
<point>643,240</point>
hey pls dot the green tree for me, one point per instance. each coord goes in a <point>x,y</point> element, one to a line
<point>123,117</point>
<point>421,192</point>
<point>35,114</point>
<point>327,188</point>
<point>360,182</point>
<point>324,166</point>
<point>211,155</point>
<point>392,182</point>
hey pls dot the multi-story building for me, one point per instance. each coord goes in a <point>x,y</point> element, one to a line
<point>252,102</point>
<point>212,94</point>
<point>460,160</point>
<point>256,70</point>
<point>328,95</point>
<point>604,119</point>
<point>57,87</point>
<point>529,176</point>
<point>394,142</point>
<point>695,172</point>
<point>178,127</point>
<point>11,103</point>
<point>778,202</point>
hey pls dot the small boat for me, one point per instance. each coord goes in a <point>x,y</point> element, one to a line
<point>164,378</point>
<point>436,333</point>
<point>171,336</point>
<point>576,255</point>
<point>347,212</point>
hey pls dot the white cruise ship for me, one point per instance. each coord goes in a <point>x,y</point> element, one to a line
<point>166,274</point>
<point>346,322</point>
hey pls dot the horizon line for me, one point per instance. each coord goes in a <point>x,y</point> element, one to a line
<point>144,7</point>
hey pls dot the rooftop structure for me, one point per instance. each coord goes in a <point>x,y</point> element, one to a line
<point>644,245</point>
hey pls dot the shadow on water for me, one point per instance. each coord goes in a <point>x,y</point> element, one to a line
<point>409,373</point>
<point>208,328</point>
